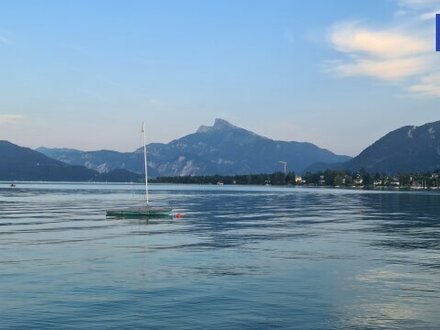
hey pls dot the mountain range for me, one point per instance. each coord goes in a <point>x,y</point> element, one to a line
<point>404,150</point>
<point>222,149</point>
<point>407,149</point>
<point>20,163</point>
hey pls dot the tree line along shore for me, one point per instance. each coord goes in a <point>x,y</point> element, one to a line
<point>328,178</point>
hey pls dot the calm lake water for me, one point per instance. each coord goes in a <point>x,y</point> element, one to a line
<point>240,258</point>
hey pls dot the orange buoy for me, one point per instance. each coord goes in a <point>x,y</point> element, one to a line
<point>178,216</point>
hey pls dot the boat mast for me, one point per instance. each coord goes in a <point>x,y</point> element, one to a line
<point>145,163</point>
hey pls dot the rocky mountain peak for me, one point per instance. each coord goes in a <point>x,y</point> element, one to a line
<point>219,124</point>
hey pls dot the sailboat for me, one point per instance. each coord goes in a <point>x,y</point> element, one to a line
<point>143,211</point>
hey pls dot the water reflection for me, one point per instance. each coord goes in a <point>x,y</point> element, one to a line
<point>241,257</point>
<point>405,221</point>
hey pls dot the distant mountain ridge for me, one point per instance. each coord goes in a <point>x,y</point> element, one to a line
<point>407,149</point>
<point>102,161</point>
<point>20,163</point>
<point>222,149</point>
<point>404,150</point>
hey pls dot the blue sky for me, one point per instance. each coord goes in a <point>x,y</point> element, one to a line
<point>340,74</point>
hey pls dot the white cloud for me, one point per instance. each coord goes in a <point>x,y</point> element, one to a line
<point>402,52</point>
<point>418,3</point>
<point>385,69</point>
<point>382,54</point>
<point>424,10</point>
<point>350,38</point>
<point>430,15</point>
<point>428,85</point>
<point>4,119</point>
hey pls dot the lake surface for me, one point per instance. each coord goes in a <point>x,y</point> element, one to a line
<point>239,258</point>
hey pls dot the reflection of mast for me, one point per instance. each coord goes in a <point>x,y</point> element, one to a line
<point>145,163</point>
<point>285,166</point>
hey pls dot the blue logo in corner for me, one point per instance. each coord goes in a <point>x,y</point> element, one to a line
<point>437,32</point>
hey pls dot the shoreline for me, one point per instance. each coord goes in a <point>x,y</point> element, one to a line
<point>16,185</point>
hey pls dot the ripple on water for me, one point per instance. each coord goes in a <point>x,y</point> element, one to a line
<point>241,257</point>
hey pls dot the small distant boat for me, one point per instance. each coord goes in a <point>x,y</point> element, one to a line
<point>144,211</point>
<point>12,185</point>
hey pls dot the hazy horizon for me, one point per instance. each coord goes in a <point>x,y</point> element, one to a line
<point>336,74</point>
<point>149,142</point>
